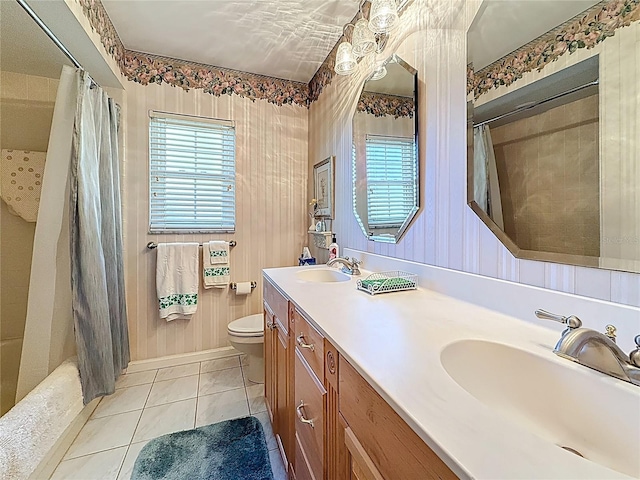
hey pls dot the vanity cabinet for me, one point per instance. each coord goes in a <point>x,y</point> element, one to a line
<point>329,422</point>
<point>278,369</point>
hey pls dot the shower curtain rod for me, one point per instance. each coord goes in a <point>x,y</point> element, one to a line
<point>53,38</point>
<point>541,102</point>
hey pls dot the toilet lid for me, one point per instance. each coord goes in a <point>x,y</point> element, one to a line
<point>251,325</point>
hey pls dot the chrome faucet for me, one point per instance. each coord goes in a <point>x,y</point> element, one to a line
<point>594,349</point>
<point>349,267</point>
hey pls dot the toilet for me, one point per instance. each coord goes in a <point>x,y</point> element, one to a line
<point>247,335</point>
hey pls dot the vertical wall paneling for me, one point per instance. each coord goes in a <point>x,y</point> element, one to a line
<point>271,183</point>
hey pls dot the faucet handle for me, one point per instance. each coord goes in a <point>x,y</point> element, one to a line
<point>610,331</point>
<point>634,357</point>
<point>572,322</point>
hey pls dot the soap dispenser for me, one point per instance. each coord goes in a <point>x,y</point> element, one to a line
<point>333,248</point>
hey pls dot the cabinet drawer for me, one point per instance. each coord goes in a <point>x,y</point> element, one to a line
<point>276,303</point>
<point>310,343</point>
<point>309,404</point>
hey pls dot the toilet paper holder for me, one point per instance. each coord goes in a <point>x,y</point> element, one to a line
<point>233,285</point>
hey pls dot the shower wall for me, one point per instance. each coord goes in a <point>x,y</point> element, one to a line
<point>26,110</point>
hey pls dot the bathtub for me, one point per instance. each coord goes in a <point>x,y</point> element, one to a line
<point>36,432</point>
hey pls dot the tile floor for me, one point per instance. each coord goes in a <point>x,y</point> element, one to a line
<point>155,402</point>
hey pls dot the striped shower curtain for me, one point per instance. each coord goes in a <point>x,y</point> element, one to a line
<point>97,272</point>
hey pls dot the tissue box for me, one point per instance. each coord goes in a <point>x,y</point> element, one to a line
<point>306,261</point>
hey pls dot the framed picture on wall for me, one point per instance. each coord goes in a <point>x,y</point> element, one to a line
<point>323,187</point>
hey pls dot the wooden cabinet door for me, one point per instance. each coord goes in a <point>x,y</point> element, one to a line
<point>284,410</point>
<point>270,365</point>
<point>361,467</point>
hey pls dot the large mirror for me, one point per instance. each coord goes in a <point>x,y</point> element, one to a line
<point>553,158</point>
<point>385,152</point>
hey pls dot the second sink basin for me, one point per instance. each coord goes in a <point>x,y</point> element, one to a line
<point>573,407</point>
<point>322,275</point>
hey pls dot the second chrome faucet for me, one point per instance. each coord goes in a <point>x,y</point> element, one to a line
<point>594,349</point>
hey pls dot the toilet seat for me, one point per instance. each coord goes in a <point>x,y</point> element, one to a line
<point>249,326</point>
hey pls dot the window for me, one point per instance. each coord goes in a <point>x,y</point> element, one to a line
<point>192,174</point>
<point>391,180</point>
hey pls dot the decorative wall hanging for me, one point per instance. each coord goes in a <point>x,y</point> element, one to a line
<point>323,187</point>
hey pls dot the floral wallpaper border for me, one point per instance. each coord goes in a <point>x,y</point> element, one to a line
<point>382,105</point>
<point>585,30</point>
<point>146,69</point>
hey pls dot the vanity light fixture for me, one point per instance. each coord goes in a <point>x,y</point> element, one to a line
<point>379,73</point>
<point>345,59</point>
<point>383,16</point>
<point>368,35</point>
<point>363,40</point>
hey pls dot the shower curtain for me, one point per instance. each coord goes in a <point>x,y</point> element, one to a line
<point>486,187</point>
<point>97,273</point>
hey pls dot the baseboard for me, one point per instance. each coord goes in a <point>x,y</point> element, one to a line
<point>181,359</point>
<point>49,463</point>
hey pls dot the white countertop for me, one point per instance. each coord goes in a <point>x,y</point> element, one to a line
<point>395,340</point>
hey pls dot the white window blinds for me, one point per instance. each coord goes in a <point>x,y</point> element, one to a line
<point>192,174</point>
<point>391,180</point>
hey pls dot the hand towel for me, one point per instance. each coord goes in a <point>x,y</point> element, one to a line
<point>217,252</point>
<point>215,274</point>
<point>177,279</point>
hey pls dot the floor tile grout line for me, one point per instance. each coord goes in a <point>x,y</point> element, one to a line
<point>92,453</point>
<point>220,369</point>
<point>237,355</point>
<point>246,394</point>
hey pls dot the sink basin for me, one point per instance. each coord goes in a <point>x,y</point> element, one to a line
<point>574,407</point>
<point>322,275</point>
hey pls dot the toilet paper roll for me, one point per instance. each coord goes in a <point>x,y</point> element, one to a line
<point>243,288</point>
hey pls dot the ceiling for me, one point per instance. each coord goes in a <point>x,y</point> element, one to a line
<point>38,56</point>
<point>285,38</point>
<point>500,27</point>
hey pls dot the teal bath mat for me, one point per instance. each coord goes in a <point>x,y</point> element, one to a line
<point>229,450</point>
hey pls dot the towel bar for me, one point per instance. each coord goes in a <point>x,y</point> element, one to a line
<point>152,245</point>
<point>233,285</point>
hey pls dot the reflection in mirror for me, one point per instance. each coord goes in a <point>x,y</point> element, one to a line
<point>552,150</point>
<point>385,152</point>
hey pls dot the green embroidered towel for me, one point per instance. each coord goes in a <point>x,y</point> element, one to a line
<point>177,279</point>
<point>215,262</point>
<point>216,252</point>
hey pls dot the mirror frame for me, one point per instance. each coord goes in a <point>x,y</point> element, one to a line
<point>411,216</point>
